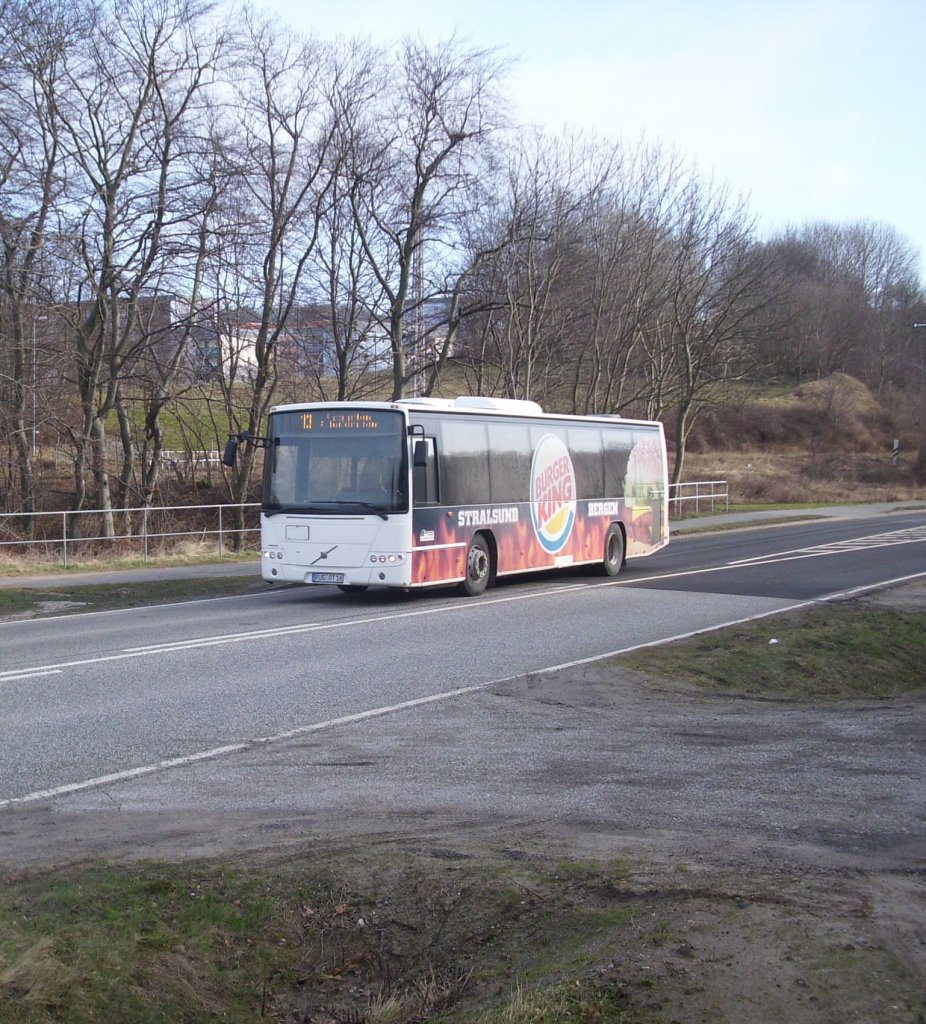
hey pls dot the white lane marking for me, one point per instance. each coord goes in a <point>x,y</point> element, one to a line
<point>221,638</point>
<point>836,548</point>
<point>912,535</point>
<point>27,673</point>
<point>232,748</point>
<point>39,670</point>
<point>123,776</point>
<point>360,716</point>
<point>170,646</point>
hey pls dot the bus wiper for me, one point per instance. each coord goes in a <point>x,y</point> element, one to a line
<point>370,508</point>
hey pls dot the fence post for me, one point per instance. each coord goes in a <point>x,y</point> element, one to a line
<point>221,537</point>
<point>64,536</point>
<point>144,530</point>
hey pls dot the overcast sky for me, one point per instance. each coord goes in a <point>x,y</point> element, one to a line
<point>812,108</point>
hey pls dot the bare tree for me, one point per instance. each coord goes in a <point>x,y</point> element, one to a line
<point>526,326</point>
<point>619,285</point>
<point>31,177</point>
<point>342,219</point>
<point>284,131</point>
<point>412,175</point>
<point>852,290</point>
<point>715,293</point>
<point>341,285</point>
<point>880,266</point>
<point>123,123</point>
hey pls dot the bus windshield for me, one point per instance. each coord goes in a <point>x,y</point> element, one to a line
<point>336,460</point>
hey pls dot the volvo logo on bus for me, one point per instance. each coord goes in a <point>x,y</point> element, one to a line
<point>553,493</point>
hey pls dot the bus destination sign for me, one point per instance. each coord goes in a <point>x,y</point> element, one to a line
<point>331,421</point>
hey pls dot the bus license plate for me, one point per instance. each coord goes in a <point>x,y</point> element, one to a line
<point>327,577</point>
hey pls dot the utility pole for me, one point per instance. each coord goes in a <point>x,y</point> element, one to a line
<point>416,348</point>
<point>35,386</point>
<point>921,458</point>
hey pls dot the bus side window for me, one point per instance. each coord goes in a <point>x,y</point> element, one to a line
<point>424,478</point>
<point>585,449</point>
<point>616,446</point>
<point>510,454</point>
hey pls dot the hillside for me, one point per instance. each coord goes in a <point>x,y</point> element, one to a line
<point>826,440</point>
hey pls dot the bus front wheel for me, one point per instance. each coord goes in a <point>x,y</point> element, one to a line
<point>478,567</point>
<point>613,551</point>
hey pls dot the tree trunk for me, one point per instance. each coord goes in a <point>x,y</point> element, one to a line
<point>681,440</point>
<point>124,483</point>
<point>101,477</point>
<point>21,438</point>
<point>155,445</point>
<point>25,465</point>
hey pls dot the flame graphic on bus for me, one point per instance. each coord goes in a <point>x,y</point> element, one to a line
<point>553,493</point>
<point>518,544</point>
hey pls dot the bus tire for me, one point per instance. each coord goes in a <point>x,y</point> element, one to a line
<point>478,567</point>
<point>613,551</point>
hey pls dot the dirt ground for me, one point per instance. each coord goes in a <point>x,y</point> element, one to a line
<point>749,937</point>
<point>683,926</point>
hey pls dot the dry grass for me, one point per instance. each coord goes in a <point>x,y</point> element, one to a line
<point>837,393</point>
<point>826,441</point>
<point>46,558</point>
<point>834,416</point>
<point>37,976</point>
<point>767,478</point>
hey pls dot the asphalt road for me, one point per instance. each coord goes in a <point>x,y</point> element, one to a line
<point>220,724</point>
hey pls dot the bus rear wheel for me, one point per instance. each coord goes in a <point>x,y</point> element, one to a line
<point>613,551</point>
<point>478,567</point>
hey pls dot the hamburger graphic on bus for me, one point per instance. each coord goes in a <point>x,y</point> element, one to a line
<point>553,493</point>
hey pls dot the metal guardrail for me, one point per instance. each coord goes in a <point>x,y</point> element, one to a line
<point>195,459</point>
<point>692,497</point>
<point>66,531</point>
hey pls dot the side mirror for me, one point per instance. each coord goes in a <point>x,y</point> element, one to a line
<point>421,454</point>
<point>231,452</point>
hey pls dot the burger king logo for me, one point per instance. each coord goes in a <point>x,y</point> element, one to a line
<point>553,493</point>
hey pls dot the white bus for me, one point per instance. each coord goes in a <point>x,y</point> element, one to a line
<point>435,492</point>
